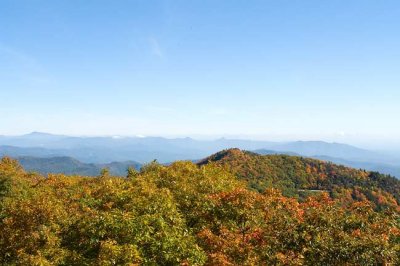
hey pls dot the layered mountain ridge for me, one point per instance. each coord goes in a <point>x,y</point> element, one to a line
<point>102,150</point>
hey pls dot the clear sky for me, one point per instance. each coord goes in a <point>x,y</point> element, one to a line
<point>269,69</point>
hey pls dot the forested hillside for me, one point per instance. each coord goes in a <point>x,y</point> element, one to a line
<point>71,166</point>
<point>185,214</point>
<point>298,177</point>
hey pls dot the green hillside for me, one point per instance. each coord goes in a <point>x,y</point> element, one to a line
<point>71,166</point>
<point>299,177</point>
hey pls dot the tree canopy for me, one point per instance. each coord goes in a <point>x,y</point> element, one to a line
<point>185,214</point>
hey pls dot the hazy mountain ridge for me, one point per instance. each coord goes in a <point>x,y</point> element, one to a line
<point>393,170</point>
<point>100,150</point>
<point>71,166</point>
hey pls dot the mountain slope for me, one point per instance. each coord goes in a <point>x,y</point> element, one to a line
<point>273,152</point>
<point>298,176</point>
<point>71,166</point>
<point>388,169</point>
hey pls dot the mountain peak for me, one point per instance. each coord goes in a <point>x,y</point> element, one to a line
<point>224,155</point>
<point>39,134</point>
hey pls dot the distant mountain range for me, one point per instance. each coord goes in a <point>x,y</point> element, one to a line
<point>103,150</point>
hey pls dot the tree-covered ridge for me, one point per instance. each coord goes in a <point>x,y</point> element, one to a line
<point>298,177</point>
<point>182,214</point>
<point>71,166</point>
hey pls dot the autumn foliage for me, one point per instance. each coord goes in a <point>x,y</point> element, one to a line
<point>184,214</point>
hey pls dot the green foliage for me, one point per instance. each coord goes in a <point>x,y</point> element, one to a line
<point>105,172</point>
<point>131,173</point>
<point>301,177</point>
<point>9,170</point>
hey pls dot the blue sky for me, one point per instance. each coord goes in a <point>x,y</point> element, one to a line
<point>264,69</point>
